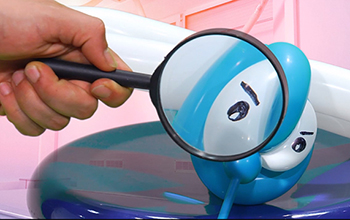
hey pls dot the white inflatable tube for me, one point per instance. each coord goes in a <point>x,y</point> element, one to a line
<point>143,43</point>
<point>136,26</point>
<point>141,55</point>
<point>330,97</point>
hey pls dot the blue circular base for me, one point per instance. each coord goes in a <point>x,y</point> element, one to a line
<point>139,172</point>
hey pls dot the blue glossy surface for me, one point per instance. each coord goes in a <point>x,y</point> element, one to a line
<point>297,69</point>
<point>138,172</point>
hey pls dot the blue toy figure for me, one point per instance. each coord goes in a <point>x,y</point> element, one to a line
<point>234,100</point>
<point>272,171</point>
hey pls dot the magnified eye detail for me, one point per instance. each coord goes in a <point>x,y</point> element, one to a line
<point>299,145</point>
<point>250,92</point>
<point>238,111</point>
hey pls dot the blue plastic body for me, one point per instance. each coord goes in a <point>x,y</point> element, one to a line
<point>297,69</point>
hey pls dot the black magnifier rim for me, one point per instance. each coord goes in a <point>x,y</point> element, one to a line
<point>155,93</point>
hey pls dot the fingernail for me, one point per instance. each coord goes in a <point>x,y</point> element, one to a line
<point>18,77</point>
<point>5,89</point>
<point>110,58</point>
<point>101,91</point>
<point>32,73</point>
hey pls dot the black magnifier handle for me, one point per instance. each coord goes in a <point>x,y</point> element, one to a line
<point>89,73</point>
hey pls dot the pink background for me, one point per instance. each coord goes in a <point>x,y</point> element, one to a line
<point>319,27</point>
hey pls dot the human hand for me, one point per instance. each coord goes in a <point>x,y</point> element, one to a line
<point>31,96</point>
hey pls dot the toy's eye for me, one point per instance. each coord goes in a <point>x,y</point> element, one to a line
<point>238,111</point>
<point>296,147</point>
<point>299,144</point>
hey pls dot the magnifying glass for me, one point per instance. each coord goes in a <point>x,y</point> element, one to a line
<point>220,93</point>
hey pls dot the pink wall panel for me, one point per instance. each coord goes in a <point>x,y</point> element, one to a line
<point>18,154</point>
<point>325,30</point>
<point>234,14</point>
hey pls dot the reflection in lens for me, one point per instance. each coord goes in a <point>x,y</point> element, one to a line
<point>201,84</point>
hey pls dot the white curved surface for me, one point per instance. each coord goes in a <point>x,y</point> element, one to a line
<point>136,26</point>
<point>330,97</point>
<point>141,42</point>
<point>140,54</point>
<point>284,157</point>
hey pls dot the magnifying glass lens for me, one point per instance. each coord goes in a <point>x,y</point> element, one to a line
<point>222,97</point>
<point>220,94</point>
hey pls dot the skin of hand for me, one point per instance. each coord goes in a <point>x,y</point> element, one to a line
<point>31,96</point>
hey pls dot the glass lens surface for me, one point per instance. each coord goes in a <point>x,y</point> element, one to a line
<point>221,95</point>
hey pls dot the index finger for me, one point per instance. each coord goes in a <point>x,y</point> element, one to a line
<point>89,34</point>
